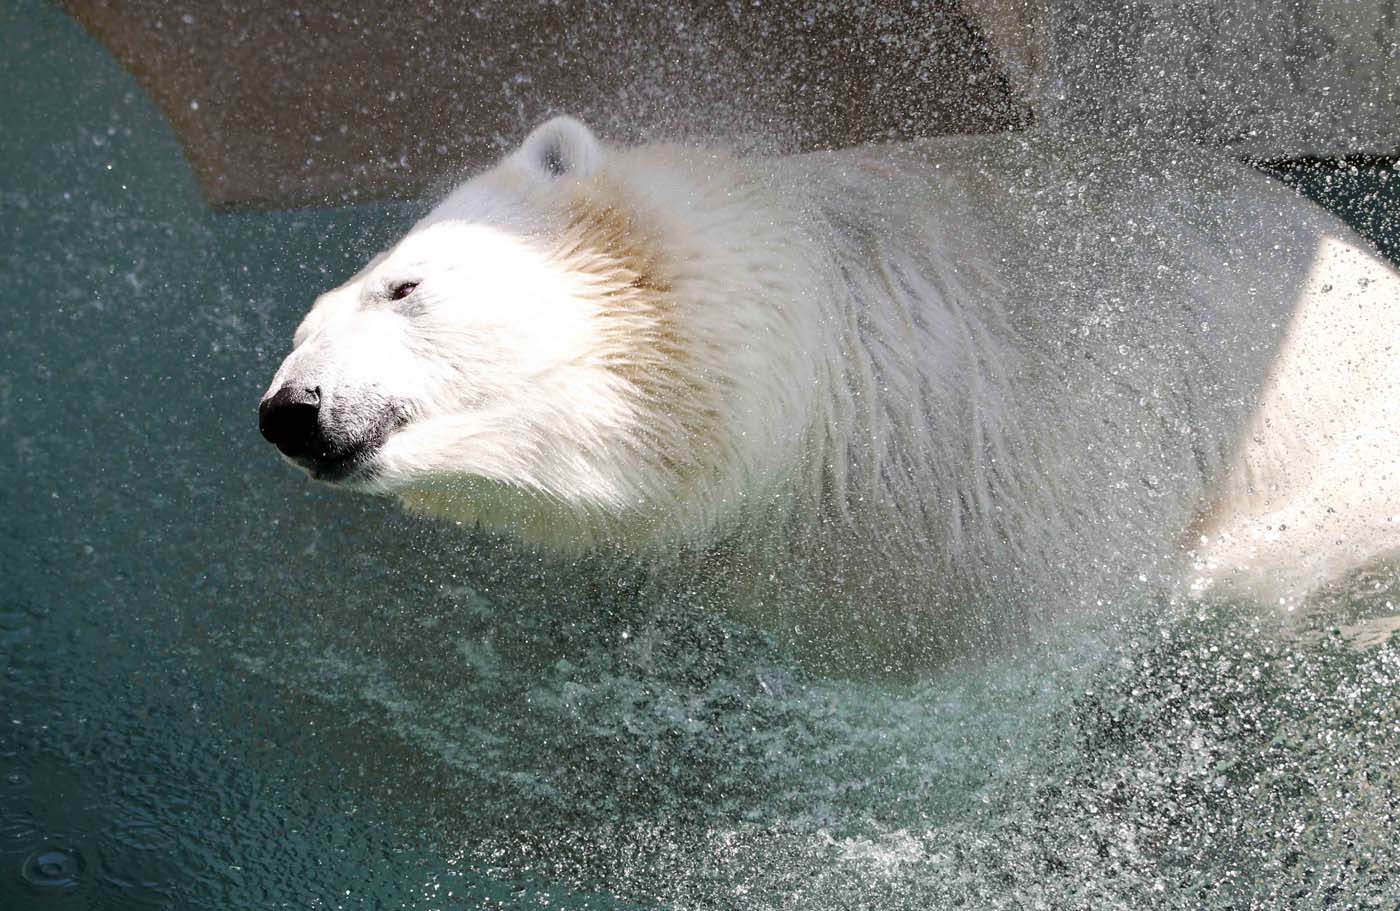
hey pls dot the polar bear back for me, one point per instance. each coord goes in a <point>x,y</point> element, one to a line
<point>1059,358</point>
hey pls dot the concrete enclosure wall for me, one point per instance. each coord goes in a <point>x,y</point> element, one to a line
<point>282,105</point>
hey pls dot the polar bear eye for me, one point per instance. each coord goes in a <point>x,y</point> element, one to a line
<point>401,290</point>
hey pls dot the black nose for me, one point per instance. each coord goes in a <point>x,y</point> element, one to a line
<point>288,419</point>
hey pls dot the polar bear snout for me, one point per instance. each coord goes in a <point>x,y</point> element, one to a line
<point>333,444</point>
<point>289,419</point>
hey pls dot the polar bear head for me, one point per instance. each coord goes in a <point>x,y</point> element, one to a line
<point>554,351</point>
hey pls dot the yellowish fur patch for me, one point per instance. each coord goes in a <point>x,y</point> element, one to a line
<point>646,342</point>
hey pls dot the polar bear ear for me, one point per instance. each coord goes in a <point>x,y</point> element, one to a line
<point>561,147</point>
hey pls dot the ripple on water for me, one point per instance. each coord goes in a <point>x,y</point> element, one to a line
<point>144,836</point>
<point>53,868</point>
<point>16,826</point>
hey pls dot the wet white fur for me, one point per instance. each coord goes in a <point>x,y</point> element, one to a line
<point>907,378</point>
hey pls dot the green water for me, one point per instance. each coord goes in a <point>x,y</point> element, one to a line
<point>224,688</point>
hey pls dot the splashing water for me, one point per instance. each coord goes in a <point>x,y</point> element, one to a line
<point>223,688</point>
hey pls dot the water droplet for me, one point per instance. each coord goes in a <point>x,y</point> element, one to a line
<point>52,867</point>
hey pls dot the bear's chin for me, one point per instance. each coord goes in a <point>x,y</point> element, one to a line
<point>357,470</point>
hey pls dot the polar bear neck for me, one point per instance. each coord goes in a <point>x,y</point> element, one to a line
<point>923,442</point>
<point>934,432</point>
<point>823,368</point>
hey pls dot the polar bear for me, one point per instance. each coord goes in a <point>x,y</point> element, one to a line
<point>904,392</point>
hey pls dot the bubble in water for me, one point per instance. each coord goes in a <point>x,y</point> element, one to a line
<point>53,868</point>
